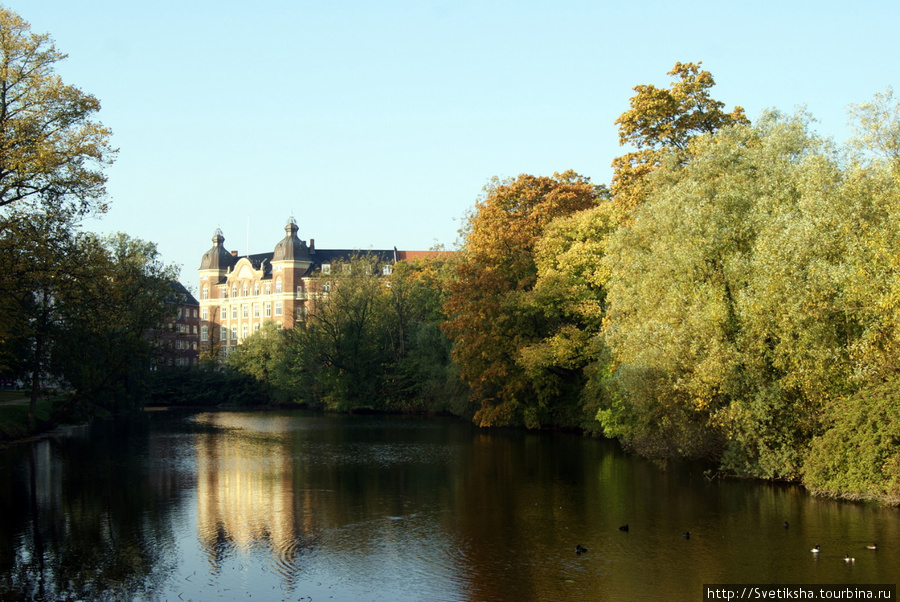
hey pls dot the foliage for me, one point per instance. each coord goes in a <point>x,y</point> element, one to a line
<point>569,292</point>
<point>661,123</point>
<point>694,286</point>
<point>112,302</point>
<point>858,456</point>
<point>203,386</point>
<point>490,317</point>
<point>51,151</point>
<point>372,342</point>
<point>261,357</point>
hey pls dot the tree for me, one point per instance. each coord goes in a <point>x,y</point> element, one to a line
<point>36,253</point>
<point>661,122</point>
<point>720,319</point>
<point>489,318</point>
<point>339,356</point>
<point>51,149</point>
<point>570,292</point>
<point>261,356</point>
<point>111,307</point>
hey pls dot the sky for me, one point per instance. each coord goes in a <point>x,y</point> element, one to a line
<point>377,124</point>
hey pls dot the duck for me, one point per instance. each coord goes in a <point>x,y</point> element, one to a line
<point>786,525</point>
<point>848,559</point>
<point>624,528</point>
<point>686,534</point>
<point>873,546</point>
<point>815,549</point>
<point>580,549</point>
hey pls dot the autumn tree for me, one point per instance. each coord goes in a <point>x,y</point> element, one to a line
<point>662,122</point>
<point>490,320</point>
<point>51,148</point>
<point>570,294</point>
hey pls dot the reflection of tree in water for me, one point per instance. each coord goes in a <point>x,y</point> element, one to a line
<point>89,519</point>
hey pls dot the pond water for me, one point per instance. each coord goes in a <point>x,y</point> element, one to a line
<point>297,506</point>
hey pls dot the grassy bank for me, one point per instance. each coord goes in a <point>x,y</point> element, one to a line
<point>14,418</point>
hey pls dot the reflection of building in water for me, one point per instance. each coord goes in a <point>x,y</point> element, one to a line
<point>245,493</point>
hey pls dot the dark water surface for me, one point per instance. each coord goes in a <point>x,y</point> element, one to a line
<point>294,506</point>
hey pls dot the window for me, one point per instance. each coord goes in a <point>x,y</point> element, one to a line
<point>234,333</point>
<point>268,310</point>
<point>326,268</point>
<point>268,288</point>
<point>256,310</point>
<point>326,287</point>
<point>245,311</point>
<point>244,330</point>
<point>234,312</point>
<point>278,287</point>
<point>194,313</point>
<point>245,291</point>
<point>234,291</point>
<point>278,308</point>
<point>205,293</point>
<point>223,312</point>
<point>223,333</point>
<point>204,333</point>
<point>204,314</point>
<point>301,313</point>
<point>256,289</point>
<point>256,328</point>
<point>386,270</point>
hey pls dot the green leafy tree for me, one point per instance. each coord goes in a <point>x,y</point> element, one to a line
<point>51,149</point>
<point>570,293</point>
<point>262,357</point>
<point>110,309</point>
<point>36,263</point>
<point>695,316</point>
<point>490,319</point>
<point>339,355</point>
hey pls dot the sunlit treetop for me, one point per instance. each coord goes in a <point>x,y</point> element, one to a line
<point>52,152</point>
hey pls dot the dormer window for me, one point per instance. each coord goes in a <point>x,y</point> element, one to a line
<point>326,268</point>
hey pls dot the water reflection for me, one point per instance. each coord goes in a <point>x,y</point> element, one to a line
<point>286,505</point>
<point>81,520</point>
<point>245,491</point>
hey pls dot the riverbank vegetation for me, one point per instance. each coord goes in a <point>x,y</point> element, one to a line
<point>733,295</point>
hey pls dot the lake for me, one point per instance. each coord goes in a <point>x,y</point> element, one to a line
<point>288,505</point>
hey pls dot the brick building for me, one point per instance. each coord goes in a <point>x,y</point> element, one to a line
<point>180,336</point>
<point>238,294</point>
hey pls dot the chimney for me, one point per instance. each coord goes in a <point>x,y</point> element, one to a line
<point>234,253</point>
<point>312,245</point>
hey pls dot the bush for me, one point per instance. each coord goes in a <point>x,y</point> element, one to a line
<point>858,456</point>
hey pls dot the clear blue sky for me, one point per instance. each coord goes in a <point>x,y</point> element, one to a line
<point>376,124</point>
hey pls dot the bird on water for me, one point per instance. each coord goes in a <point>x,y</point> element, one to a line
<point>624,528</point>
<point>580,549</point>
<point>873,546</point>
<point>815,549</point>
